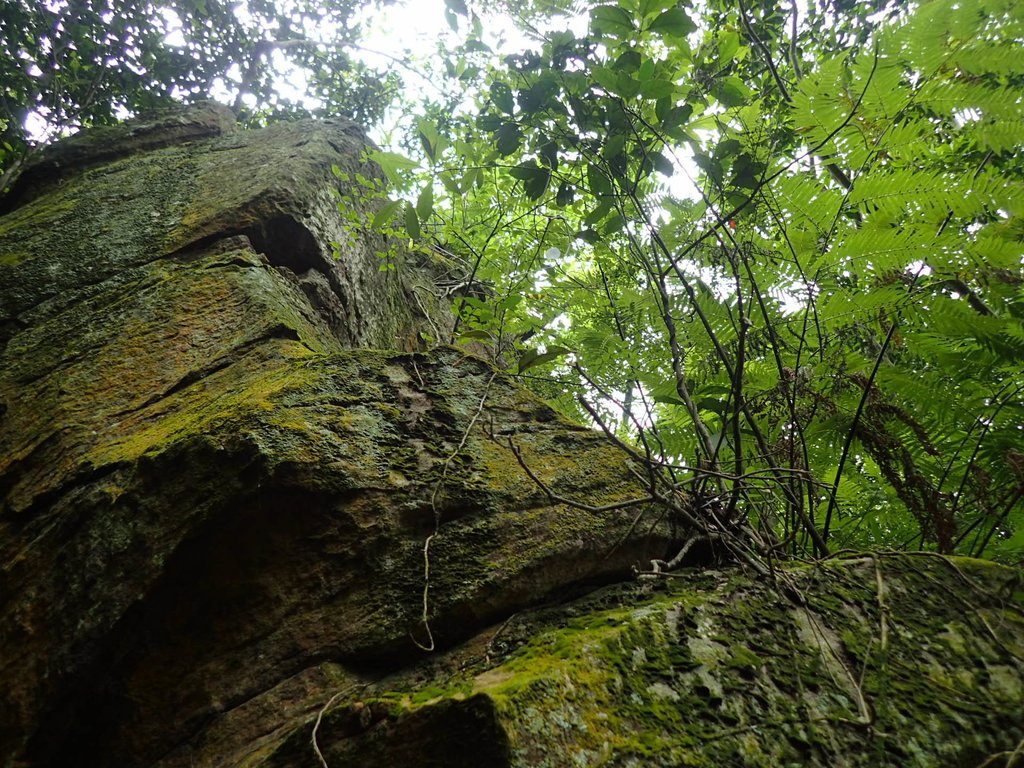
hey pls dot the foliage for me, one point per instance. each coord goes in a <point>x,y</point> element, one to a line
<point>821,335</point>
<point>772,249</point>
<point>69,63</point>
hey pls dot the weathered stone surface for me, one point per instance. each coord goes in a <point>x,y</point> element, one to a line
<point>206,490</point>
<point>273,514</point>
<point>223,452</point>
<point>894,660</point>
<point>71,156</point>
<point>275,187</point>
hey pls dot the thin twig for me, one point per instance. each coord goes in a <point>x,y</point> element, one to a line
<point>437,519</point>
<point>674,563</point>
<point>555,498</point>
<point>430,320</point>
<point>883,608</point>
<point>319,718</point>
<point>1011,757</point>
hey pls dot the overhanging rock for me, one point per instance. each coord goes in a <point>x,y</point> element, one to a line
<point>224,448</point>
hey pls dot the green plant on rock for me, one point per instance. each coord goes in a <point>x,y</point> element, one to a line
<point>820,332</point>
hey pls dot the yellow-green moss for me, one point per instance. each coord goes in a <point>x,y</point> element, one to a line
<point>619,687</point>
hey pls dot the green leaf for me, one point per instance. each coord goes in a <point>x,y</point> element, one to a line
<point>589,235</point>
<point>425,202</point>
<point>385,213</point>
<point>618,165</point>
<point>728,44</point>
<point>713,405</point>
<point>501,95</point>
<point>727,148</point>
<point>673,23</point>
<point>412,224</point>
<point>656,89</point>
<point>746,172</point>
<point>730,91</point>
<point>490,123</point>
<point>392,164</point>
<point>710,165</point>
<point>452,18</point>
<point>614,146</point>
<point>538,96</point>
<point>675,122</point>
<point>449,183</point>
<point>617,83</point>
<point>566,194</point>
<point>508,139</point>
<point>536,186</point>
<point>457,6</point>
<point>627,86</point>
<point>476,335</point>
<point>472,177</point>
<point>606,78</point>
<point>549,154</point>
<point>603,208</point>
<point>611,20</point>
<point>509,302</point>
<point>662,164</point>
<point>663,108</point>
<point>628,61</point>
<point>597,181</point>
<point>615,224</point>
<point>532,357</point>
<point>524,171</point>
<point>649,8</point>
<point>534,177</point>
<point>431,140</point>
<point>646,71</point>
<point>669,398</point>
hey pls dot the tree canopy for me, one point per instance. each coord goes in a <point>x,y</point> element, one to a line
<point>773,250</point>
<point>69,63</point>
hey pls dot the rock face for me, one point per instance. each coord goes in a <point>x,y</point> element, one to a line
<point>892,661</point>
<point>239,496</point>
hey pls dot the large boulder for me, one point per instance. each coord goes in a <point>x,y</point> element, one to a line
<point>212,482</point>
<point>237,487</point>
<point>908,661</point>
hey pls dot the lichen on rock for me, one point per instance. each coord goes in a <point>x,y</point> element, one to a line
<point>711,668</point>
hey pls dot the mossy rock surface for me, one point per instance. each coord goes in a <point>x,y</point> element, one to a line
<point>890,660</point>
<point>213,480</point>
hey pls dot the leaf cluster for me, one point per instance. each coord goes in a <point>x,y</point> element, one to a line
<point>70,63</point>
<point>820,329</point>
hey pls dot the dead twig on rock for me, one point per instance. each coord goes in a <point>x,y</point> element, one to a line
<point>319,719</point>
<point>425,618</point>
<point>556,499</point>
